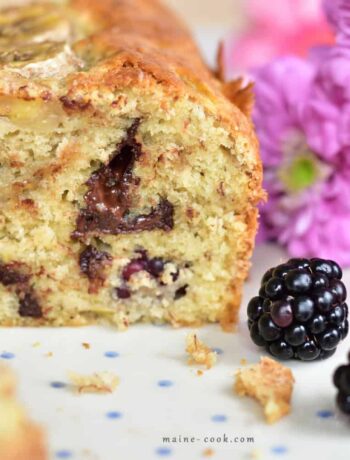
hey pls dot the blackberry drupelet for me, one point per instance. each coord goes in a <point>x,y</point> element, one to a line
<point>300,311</point>
<point>341,380</point>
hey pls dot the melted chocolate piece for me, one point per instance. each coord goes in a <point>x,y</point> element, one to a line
<point>19,282</point>
<point>109,198</point>
<point>181,292</point>
<point>123,293</point>
<point>9,275</point>
<point>29,305</point>
<point>92,263</point>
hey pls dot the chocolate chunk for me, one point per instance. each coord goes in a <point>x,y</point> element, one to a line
<point>10,275</point>
<point>96,223</point>
<point>29,305</point>
<point>123,293</point>
<point>74,105</point>
<point>181,292</point>
<point>175,275</point>
<point>109,198</point>
<point>93,263</point>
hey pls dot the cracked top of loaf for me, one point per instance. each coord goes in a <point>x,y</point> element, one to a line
<point>80,53</point>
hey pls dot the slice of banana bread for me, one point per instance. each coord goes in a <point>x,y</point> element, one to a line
<point>128,180</point>
<point>20,439</point>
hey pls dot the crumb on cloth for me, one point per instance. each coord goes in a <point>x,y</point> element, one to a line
<point>256,454</point>
<point>199,353</point>
<point>270,383</point>
<point>99,382</point>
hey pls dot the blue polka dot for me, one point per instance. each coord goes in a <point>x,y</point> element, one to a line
<point>165,383</point>
<point>218,351</point>
<point>7,355</point>
<point>324,413</point>
<point>279,450</point>
<point>63,454</point>
<point>163,451</point>
<point>114,414</point>
<point>58,384</point>
<point>219,418</point>
<point>111,354</point>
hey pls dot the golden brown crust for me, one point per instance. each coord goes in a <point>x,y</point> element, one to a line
<point>270,383</point>
<point>141,43</point>
<point>229,317</point>
<point>155,44</point>
<point>240,94</point>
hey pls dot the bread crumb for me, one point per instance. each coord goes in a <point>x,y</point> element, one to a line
<point>270,383</point>
<point>199,372</point>
<point>99,382</point>
<point>243,362</point>
<point>208,453</point>
<point>199,352</point>
<point>255,454</point>
<point>86,345</point>
<point>49,354</point>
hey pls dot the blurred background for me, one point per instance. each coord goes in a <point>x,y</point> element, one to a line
<point>210,21</point>
<point>255,31</point>
<point>209,12</point>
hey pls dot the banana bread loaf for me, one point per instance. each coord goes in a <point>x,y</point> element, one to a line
<point>129,174</point>
<point>20,439</point>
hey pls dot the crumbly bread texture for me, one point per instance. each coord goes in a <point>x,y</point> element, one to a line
<point>270,383</point>
<point>129,174</point>
<point>99,382</point>
<point>199,353</point>
<point>20,439</point>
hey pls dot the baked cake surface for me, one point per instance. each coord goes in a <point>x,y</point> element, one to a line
<point>20,439</point>
<point>128,180</point>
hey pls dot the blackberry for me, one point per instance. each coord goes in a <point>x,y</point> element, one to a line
<point>154,267</point>
<point>341,379</point>
<point>300,311</point>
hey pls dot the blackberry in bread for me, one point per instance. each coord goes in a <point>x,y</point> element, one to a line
<point>129,176</point>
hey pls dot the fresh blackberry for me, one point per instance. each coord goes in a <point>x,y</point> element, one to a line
<point>341,379</point>
<point>300,311</point>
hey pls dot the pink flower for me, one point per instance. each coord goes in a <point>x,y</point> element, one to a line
<point>303,122</point>
<point>338,14</point>
<point>277,28</point>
